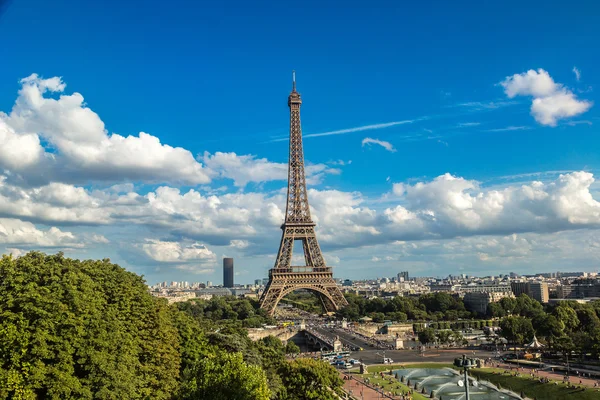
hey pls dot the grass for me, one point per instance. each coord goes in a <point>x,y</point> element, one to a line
<point>532,388</point>
<point>379,368</point>
<point>389,384</point>
<point>392,385</point>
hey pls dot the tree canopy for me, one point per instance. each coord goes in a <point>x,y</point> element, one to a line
<point>73,329</point>
<point>82,329</point>
<point>308,379</point>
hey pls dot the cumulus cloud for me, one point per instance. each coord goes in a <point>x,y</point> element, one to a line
<point>99,239</point>
<point>82,149</point>
<point>239,244</point>
<point>175,252</point>
<point>386,145</point>
<point>243,169</point>
<point>551,100</point>
<point>47,139</point>
<point>22,233</point>
<point>445,207</point>
<point>18,151</point>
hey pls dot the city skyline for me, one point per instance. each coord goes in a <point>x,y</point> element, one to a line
<point>430,148</point>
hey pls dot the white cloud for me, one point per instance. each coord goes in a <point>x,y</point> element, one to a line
<point>548,110</point>
<point>531,83</point>
<point>83,148</point>
<point>509,128</point>
<point>25,234</point>
<point>577,73</point>
<point>468,124</point>
<point>363,128</point>
<point>100,239</point>
<point>194,269</point>
<point>15,252</point>
<point>445,207</point>
<point>18,151</point>
<point>482,105</point>
<point>551,101</point>
<point>386,145</point>
<point>243,169</point>
<point>175,252</point>
<point>239,244</point>
<point>355,129</point>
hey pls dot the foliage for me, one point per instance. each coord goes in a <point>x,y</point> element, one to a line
<point>82,329</point>
<point>307,379</point>
<point>227,308</point>
<point>90,330</point>
<point>516,329</point>
<point>291,348</point>
<point>427,336</point>
<point>224,376</point>
<point>304,300</point>
<point>429,307</point>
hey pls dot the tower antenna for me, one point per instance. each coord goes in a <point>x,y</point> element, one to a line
<point>293,81</point>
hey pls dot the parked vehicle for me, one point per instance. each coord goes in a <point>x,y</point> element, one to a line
<point>387,360</point>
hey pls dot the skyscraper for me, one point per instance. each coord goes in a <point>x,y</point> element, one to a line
<point>228,272</point>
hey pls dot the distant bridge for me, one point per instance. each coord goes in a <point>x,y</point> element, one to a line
<point>318,340</point>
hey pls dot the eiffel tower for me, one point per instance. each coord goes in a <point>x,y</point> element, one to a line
<point>315,276</point>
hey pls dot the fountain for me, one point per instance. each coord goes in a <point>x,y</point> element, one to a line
<point>444,383</point>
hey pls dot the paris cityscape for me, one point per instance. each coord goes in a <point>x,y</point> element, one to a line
<point>248,201</point>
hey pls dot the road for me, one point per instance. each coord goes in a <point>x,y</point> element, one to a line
<point>346,338</point>
<point>370,355</point>
<point>375,356</point>
<point>412,356</point>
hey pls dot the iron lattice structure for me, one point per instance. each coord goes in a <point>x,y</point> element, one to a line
<point>315,276</point>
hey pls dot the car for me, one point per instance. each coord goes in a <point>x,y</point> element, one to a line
<point>353,361</point>
<point>387,360</point>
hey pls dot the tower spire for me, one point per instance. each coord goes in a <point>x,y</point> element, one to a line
<point>293,81</point>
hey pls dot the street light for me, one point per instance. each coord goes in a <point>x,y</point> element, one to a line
<point>466,364</point>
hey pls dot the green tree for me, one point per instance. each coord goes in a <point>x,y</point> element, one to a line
<point>567,316</point>
<point>551,327</point>
<point>516,329</point>
<point>444,336</point>
<point>291,348</point>
<point>426,336</point>
<point>308,379</point>
<point>225,376</point>
<point>457,337</point>
<point>82,329</point>
<point>377,316</point>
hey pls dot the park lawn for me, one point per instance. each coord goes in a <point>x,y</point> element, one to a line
<point>532,388</point>
<point>379,368</point>
<point>394,386</point>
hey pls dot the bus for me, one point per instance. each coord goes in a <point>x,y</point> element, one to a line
<point>335,354</point>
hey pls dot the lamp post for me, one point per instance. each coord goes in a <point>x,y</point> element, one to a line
<point>466,364</point>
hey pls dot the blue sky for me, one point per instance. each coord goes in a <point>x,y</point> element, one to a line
<point>445,87</point>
